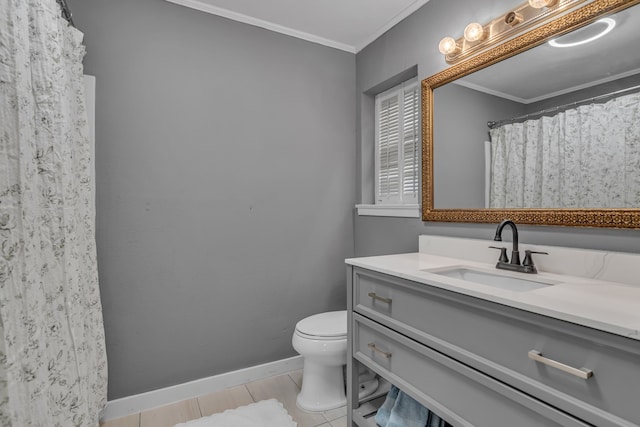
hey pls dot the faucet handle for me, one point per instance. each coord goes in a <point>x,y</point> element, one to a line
<point>503,254</point>
<point>528,260</point>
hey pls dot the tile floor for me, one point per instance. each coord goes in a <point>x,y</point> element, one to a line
<point>285,388</point>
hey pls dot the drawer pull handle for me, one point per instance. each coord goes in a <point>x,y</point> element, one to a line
<point>581,373</point>
<point>379,298</point>
<point>373,347</point>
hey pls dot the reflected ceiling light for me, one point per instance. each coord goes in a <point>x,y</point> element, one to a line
<point>539,4</point>
<point>609,24</point>
<point>448,45</point>
<point>473,32</point>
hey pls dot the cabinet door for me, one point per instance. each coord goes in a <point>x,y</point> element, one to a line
<point>459,394</point>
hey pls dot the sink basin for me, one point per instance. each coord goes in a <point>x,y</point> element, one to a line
<point>496,279</point>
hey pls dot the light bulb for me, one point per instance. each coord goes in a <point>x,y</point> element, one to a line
<point>538,4</point>
<point>448,45</point>
<point>473,32</point>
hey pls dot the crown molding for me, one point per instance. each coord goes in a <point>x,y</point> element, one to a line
<point>246,19</point>
<point>390,24</point>
<point>235,16</point>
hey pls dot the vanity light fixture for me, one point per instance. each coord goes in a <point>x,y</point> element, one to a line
<point>474,32</point>
<point>512,18</point>
<point>478,37</point>
<point>609,24</point>
<point>539,4</point>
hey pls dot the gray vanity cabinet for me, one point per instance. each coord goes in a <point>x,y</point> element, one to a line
<point>468,359</point>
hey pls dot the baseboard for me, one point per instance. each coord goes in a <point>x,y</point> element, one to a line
<point>152,399</point>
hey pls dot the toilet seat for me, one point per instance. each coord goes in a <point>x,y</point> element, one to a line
<point>319,337</point>
<point>331,325</point>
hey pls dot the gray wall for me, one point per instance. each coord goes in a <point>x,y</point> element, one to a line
<point>459,173</point>
<point>225,188</point>
<point>414,42</point>
<point>583,94</point>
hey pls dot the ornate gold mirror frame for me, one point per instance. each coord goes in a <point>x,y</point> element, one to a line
<point>616,218</point>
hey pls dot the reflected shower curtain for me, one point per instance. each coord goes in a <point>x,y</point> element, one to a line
<point>586,157</point>
<point>52,351</point>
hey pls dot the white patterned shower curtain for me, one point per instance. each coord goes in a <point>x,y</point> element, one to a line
<point>52,351</point>
<point>585,157</point>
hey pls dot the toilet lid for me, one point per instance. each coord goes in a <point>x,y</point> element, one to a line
<point>330,324</point>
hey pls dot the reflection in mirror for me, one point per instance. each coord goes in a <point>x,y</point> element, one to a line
<point>565,131</point>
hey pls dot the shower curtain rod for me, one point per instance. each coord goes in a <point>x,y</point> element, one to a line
<point>493,124</point>
<point>66,12</point>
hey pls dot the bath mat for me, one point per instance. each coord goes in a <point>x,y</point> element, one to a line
<point>266,413</point>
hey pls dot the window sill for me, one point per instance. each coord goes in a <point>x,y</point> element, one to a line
<point>404,211</point>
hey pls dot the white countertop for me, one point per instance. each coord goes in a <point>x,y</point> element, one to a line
<point>608,306</point>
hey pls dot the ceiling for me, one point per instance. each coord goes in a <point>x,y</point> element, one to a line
<point>546,71</point>
<point>349,25</point>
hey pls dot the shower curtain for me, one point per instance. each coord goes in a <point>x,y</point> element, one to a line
<point>52,350</point>
<point>585,157</point>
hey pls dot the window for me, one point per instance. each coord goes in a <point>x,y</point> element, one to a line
<point>397,145</point>
<point>391,148</point>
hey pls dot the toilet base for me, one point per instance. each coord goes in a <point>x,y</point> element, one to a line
<point>368,387</point>
<point>322,388</point>
<point>325,387</point>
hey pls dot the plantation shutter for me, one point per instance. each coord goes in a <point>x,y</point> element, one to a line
<point>388,146</point>
<point>397,149</point>
<point>410,145</point>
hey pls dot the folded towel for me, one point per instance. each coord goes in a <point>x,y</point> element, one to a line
<point>401,410</point>
<point>384,412</point>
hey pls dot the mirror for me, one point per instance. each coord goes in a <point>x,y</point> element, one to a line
<point>536,92</point>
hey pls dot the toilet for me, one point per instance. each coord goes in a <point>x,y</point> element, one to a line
<point>322,340</point>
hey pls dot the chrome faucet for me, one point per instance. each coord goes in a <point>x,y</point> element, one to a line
<point>514,265</point>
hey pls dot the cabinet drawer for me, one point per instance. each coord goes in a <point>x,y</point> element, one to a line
<point>462,395</point>
<point>497,339</point>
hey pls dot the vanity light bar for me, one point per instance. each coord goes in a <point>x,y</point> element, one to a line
<point>478,37</point>
<point>538,4</point>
